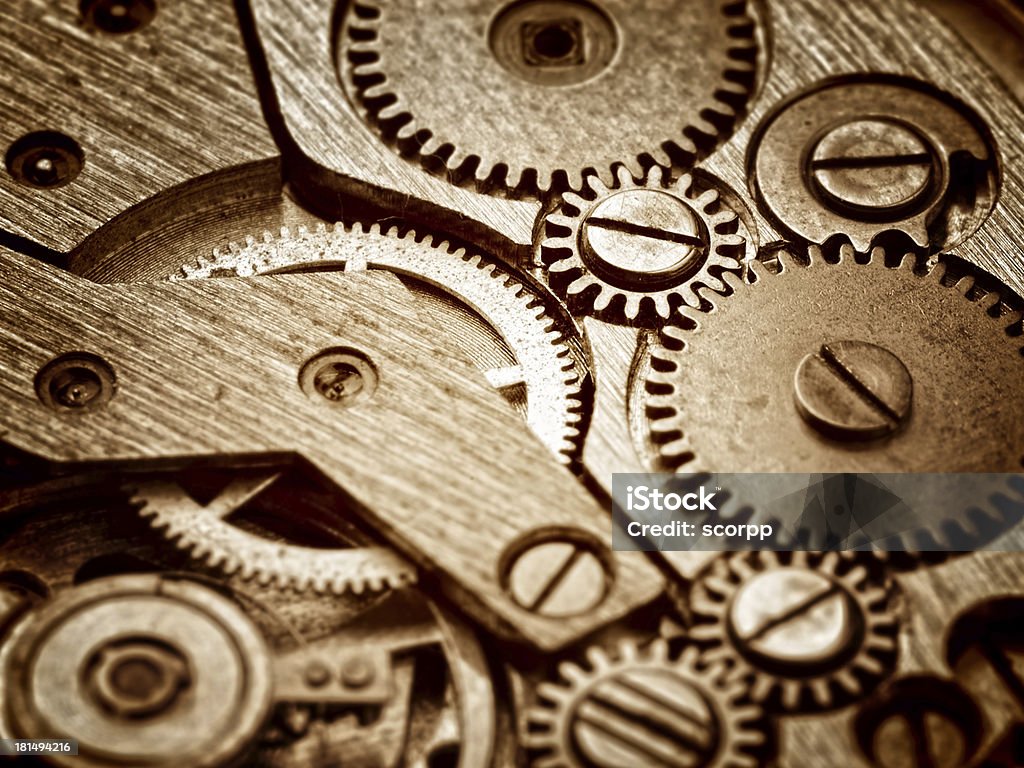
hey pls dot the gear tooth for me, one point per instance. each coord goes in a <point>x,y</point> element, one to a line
<point>656,177</point>
<point>964,285</point>
<point>623,176</point>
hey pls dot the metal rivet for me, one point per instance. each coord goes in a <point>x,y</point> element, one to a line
<point>558,577</point>
<point>873,167</point>
<point>553,43</point>
<point>853,390</point>
<point>316,674</point>
<point>643,238</point>
<point>357,672</point>
<point>792,617</point>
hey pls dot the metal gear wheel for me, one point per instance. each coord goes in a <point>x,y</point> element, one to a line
<point>139,670</point>
<point>637,252</point>
<point>487,89</point>
<point>207,534</point>
<point>642,707</point>
<point>855,365</point>
<point>517,343</point>
<point>795,629</point>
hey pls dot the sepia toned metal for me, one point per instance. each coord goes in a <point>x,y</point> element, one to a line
<point>325,325</point>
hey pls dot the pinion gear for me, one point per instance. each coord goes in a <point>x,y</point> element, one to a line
<point>798,630</point>
<point>525,352</point>
<point>488,92</point>
<point>643,707</point>
<point>637,252</point>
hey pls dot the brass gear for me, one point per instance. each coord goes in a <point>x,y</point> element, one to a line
<point>513,77</point>
<point>957,341</point>
<point>642,707</point>
<point>805,630</point>
<point>207,534</point>
<point>635,253</point>
<point>534,366</point>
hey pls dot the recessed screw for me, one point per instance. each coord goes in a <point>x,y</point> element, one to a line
<point>357,672</point>
<point>873,168</point>
<point>118,17</point>
<point>339,376</point>
<point>44,159</point>
<point>557,577</point>
<point>77,381</point>
<point>853,390</point>
<point>611,726</point>
<point>791,617</point>
<point>553,42</point>
<point>643,238</point>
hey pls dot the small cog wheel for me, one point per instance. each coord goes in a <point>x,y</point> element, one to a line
<point>485,91</point>
<point>642,707</point>
<point>497,317</point>
<point>799,631</point>
<point>637,252</point>
<point>139,670</point>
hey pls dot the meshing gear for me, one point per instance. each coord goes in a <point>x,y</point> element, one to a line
<point>486,93</point>
<point>208,534</point>
<point>853,367</point>
<point>637,252</point>
<point>801,631</point>
<point>642,707</point>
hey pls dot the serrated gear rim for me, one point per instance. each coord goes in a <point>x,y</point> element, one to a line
<point>723,89</point>
<point>550,376</point>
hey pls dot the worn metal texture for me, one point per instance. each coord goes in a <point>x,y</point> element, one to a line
<point>151,110</point>
<point>325,325</point>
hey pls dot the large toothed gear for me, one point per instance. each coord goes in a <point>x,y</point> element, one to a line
<point>207,534</point>
<point>530,96</point>
<point>642,707</point>
<point>854,365</point>
<point>636,253</point>
<point>800,633</point>
<point>500,320</point>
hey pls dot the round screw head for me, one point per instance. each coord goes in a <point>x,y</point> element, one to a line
<point>557,577</point>
<point>792,617</point>
<point>357,672</point>
<point>44,159</point>
<point>873,168</point>
<point>78,381</point>
<point>342,377</point>
<point>643,239</point>
<point>853,390</point>
<point>316,674</point>
<point>611,727</point>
